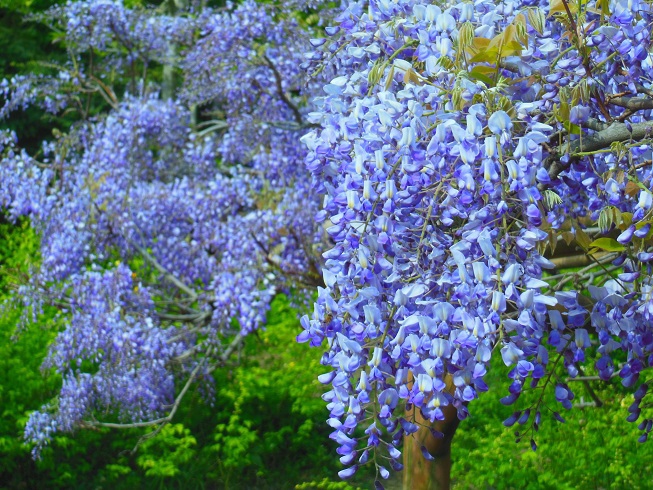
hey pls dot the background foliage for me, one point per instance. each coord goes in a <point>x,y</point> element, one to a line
<point>595,448</point>
<point>264,430</point>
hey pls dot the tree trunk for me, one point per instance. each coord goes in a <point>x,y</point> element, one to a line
<point>168,81</point>
<point>420,473</point>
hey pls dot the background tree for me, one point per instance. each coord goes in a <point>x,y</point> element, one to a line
<point>162,243</point>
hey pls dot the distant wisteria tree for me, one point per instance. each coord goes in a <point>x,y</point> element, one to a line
<point>473,178</point>
<point>167,224</point>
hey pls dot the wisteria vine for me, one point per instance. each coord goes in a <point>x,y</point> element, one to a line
<point>457,180</point>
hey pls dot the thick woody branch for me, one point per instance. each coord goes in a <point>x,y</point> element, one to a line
<point>632,103</point>
<point>600,140</point>
<point>643,90</point>
<point>596,125</point>
<point>614,133</point>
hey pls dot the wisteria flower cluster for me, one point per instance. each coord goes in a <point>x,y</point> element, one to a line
<point>456,141</point>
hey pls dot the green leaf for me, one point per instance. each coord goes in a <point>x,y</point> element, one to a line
<point>582,239</point>
<point>479,73</point>
<point>608,244</point>
<point>558,7</point>
<point>571,128</point>
<point>537,19</point>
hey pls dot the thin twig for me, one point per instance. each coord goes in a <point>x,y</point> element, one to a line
<point>279,83</point>
<point>590,378</point>
<point>168,275</point>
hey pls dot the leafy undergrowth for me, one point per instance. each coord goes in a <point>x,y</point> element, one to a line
<point>266,426</point>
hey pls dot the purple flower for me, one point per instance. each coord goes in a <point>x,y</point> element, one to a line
<point>500,123</point>
<point>579,114</point>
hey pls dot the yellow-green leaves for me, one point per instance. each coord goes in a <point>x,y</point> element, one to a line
<point>609,216</point>
<point>500,46</point>
<point>465,36</point>
<point>582,238</point>
<point>607,244</point>
<point>376,72</point>
<point>551,199</point>
<point>558,7</point>
<point>536,18</point>
<point>484,74</point>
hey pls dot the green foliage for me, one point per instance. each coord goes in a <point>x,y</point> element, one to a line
<point>271,416</point>
<point>21,382</point>
<point>24,387</point>
<point>18,250</point>
<point>266,429</point>
<point>325,484</point>
<point>597,440</point>
<point>163,455</point>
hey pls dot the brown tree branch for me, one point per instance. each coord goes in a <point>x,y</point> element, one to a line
<point>282,94</point>
<point>600,140</point>
<point>632,103</point>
